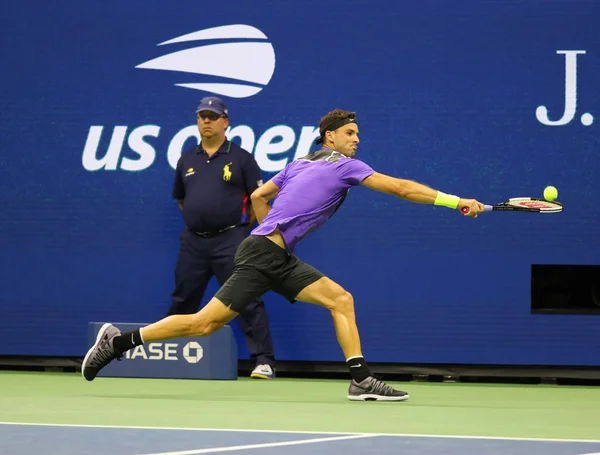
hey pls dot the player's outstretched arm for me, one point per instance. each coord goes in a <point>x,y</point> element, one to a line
<point>419,193</point>
<point>261,198</point>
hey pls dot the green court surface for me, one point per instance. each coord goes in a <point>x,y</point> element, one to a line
<point>514,411</point>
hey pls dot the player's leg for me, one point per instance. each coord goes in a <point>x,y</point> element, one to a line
<point>306,284</point>
<point>209,319</point>
<point>244,285</point>
<point>112,344</point>
<point>340,303</point>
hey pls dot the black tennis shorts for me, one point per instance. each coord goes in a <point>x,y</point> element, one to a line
<point>261,266</point>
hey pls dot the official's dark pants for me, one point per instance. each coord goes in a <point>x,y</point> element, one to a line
<point>202,258</point>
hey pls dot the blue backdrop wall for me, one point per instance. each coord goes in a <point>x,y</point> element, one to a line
<point>98,99</point>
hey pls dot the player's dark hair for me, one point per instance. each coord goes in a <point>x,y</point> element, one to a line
<point>333,120</point>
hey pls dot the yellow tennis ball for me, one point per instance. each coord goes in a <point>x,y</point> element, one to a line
<point>550,193</point>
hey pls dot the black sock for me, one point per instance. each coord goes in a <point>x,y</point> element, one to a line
<point>359,369</point>
<point>128,340</point>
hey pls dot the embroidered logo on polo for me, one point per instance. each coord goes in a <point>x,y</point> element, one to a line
<point>227,172</point>
<point>190,171</point>
<point>252,62</point>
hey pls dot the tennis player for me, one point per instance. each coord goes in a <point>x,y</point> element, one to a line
<point>305,195</point>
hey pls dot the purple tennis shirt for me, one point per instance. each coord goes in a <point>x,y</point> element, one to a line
<point>311,189</point>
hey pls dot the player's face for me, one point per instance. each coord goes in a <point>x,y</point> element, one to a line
<point>211,124</point>
<point>345,139</point>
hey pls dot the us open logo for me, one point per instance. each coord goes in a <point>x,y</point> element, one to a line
<point>252,62</point>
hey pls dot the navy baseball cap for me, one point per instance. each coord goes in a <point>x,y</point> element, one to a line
<point>214,104</point>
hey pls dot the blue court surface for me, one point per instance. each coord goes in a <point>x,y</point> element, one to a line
<point>34,439</point>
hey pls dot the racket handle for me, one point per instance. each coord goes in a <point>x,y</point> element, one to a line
<point>486,208</point>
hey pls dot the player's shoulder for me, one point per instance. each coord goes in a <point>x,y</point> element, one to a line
<point>325,155</point>
<point>352,163</point>
<point>347,159</point>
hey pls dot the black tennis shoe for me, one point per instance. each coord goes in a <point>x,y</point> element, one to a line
<point>373,389</point>
<point>101,353</point>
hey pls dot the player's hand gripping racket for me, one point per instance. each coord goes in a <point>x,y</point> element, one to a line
<point>523,204</point>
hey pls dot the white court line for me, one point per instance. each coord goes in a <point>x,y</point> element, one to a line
<point>339,433</point>
<point>264,445</point>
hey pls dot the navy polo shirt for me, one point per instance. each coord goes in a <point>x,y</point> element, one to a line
<point>215,190</point>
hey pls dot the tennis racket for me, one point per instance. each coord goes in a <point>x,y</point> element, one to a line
<point>523,204</point>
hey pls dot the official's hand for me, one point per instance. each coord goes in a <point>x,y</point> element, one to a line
<point>470,207</point>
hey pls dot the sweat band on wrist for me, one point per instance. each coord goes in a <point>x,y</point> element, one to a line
<point>446,200</point>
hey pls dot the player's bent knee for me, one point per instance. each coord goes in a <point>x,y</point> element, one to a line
<point>343,302</point>
<point>202,326</point>
<point>211,318</point>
